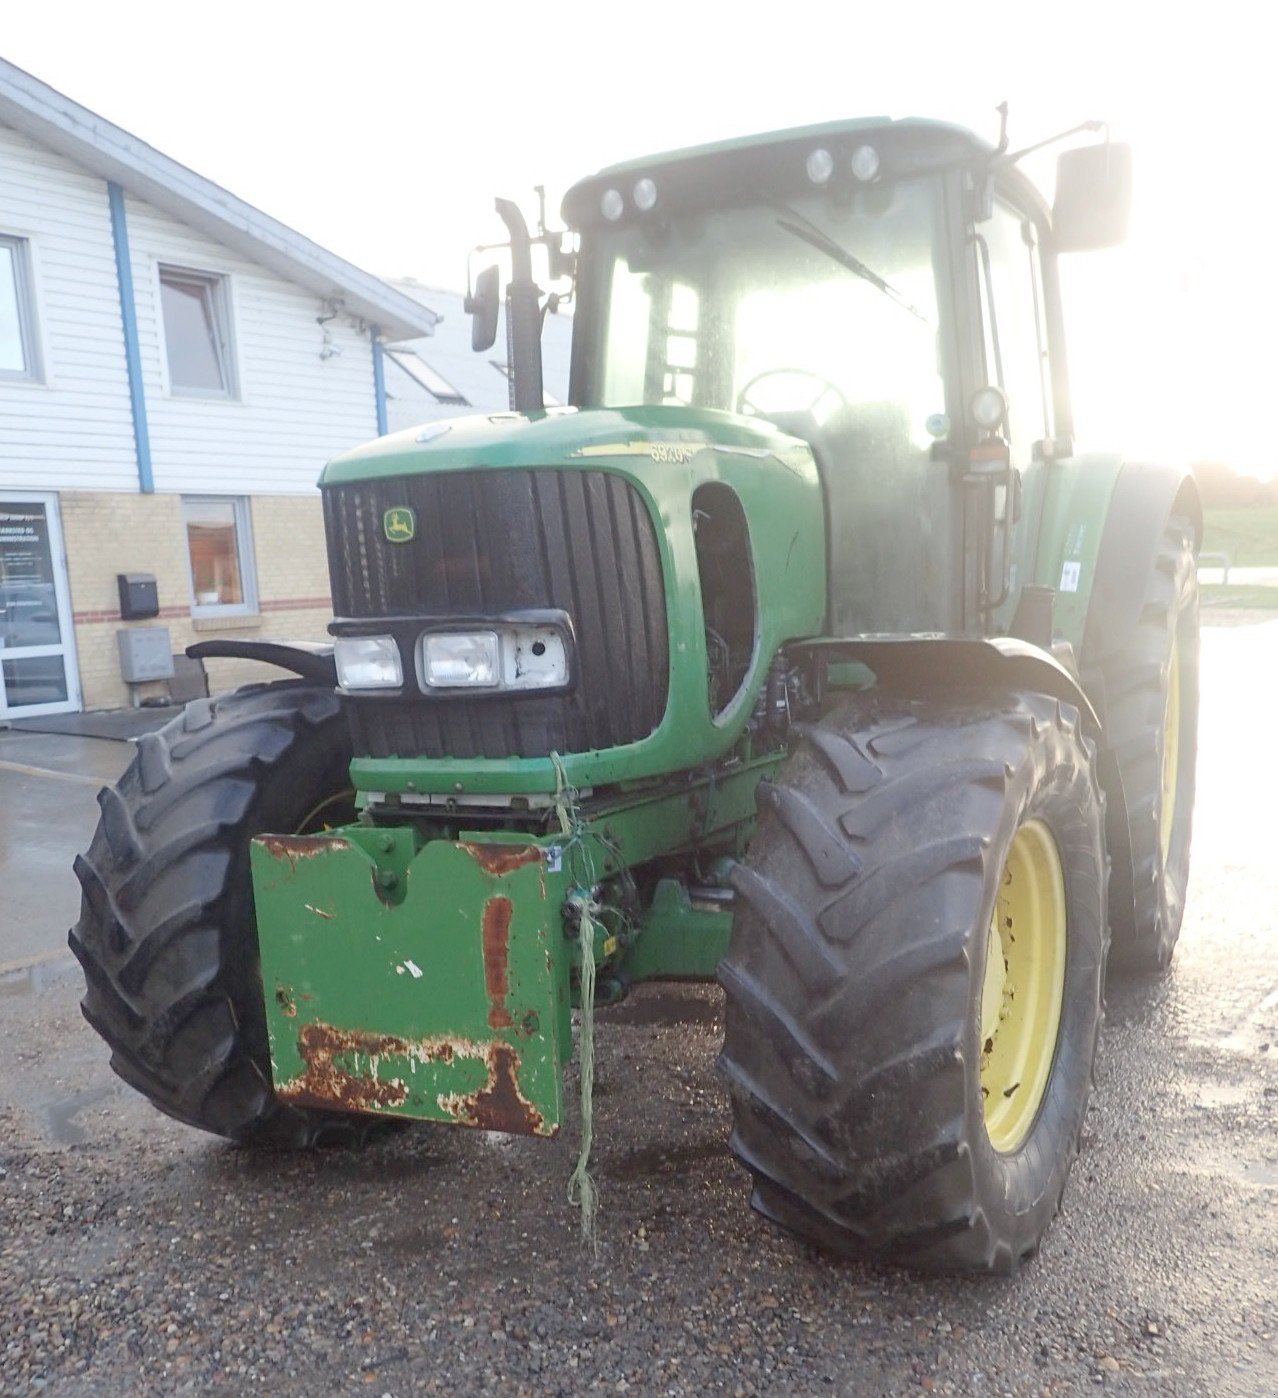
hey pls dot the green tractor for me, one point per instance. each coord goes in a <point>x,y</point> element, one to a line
<point>802,650</point>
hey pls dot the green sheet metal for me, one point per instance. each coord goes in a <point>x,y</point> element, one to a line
<point>435,980</point>
<point>678,939</point>
<point>666,453</point>
<point>429,983</point>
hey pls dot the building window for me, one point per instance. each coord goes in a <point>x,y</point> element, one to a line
<point>219,547</point>
<point>503,369</point>
<point>197,332</point>
<point>19,348</point>
<point>425,377</point>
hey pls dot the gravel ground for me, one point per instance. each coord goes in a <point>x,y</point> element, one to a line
<point>139,1256</point>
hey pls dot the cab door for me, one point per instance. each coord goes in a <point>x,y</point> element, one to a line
<point>1018,360</point>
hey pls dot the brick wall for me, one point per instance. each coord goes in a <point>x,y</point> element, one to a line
<point>106,533</point>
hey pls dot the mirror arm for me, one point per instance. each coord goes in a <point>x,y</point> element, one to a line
<point>1002,158</point>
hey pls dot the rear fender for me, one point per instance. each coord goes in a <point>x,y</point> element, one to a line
<point>1144,498</point>
<point>1101,521</point>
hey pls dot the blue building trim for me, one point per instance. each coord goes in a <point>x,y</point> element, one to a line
<point>379,379</point>
<point>129,316</point>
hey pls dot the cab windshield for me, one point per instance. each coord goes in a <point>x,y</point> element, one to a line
<point>818,305</point>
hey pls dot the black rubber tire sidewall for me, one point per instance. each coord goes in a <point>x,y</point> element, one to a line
<point>167,934</point>
<point>855,971</point>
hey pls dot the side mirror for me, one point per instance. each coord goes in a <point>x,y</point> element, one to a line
<point>1093,197</point>
<point>482,307</point>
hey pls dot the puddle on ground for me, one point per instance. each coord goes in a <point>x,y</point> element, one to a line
<point>59,1116</point>
<point>1214,1096</point>
<point>31,980</point>
<point>1259,1174</point>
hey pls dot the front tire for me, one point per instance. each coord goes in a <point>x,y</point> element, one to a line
<point>888,1102</point>
<point>167,936</point>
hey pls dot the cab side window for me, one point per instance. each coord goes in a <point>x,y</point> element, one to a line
<point>1015,336</point>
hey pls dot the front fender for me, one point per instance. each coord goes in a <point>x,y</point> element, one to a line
<point>939,665</point>
<point>313,660</point>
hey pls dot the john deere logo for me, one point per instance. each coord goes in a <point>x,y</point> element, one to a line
<point>399,524</point>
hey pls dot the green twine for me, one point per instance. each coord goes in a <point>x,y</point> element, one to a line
<point>581,1186</point>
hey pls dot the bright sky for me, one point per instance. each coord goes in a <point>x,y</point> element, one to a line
<point>384,129</point>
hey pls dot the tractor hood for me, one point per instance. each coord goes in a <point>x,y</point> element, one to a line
<point>556,437</point>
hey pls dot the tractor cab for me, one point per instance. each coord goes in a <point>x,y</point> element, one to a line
<point>884,291</point>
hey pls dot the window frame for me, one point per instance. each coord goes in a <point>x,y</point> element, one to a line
<point>28,318</point>
<point>244,553</point>
<point>220,305</point>
<point>1032,279</point>
<point>425,376</point>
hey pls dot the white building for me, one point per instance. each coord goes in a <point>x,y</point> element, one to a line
<point>175,368</point>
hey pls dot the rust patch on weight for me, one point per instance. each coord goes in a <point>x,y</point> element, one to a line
<point>295,847</point>
<point>496,935</point>
<point>325,1084</point>
<point>502,859</point>
<point>499,1105</point>
<point>496,1106</point>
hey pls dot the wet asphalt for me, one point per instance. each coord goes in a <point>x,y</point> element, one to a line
<point>139,1256</point>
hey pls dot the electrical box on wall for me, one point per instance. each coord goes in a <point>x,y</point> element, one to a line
<point>138,597</point>
<point>146,653</point>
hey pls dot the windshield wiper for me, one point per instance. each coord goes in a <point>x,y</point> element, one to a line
<point>809,233</point>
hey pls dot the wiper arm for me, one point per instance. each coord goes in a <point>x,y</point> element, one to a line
<point>814,237</point>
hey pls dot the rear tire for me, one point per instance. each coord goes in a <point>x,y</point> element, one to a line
<point>857,999</point>
<point>1151,727</point>
<point>167,936</point>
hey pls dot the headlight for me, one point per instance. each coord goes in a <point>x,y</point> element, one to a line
<point>516,657</point>
<point>368,662</point>
<point>865,164</point>
<point>989,408</point>
<point>819,165</point>
<point>460,660</point>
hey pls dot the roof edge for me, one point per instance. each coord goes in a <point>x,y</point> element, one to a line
<point>52,119</point>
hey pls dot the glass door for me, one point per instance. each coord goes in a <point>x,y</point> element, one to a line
<point>37,650</point>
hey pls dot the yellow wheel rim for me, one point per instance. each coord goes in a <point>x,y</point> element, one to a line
<point>1023,987</point>
<point>1171,752</point>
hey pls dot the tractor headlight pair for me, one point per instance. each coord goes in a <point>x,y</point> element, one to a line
<point>517,657</point>
<point>507,657</point>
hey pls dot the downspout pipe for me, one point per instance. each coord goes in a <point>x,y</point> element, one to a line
<point>129,320</point>
<point>379,379</point>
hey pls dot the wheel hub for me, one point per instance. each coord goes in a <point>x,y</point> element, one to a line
<point>1023,986</point>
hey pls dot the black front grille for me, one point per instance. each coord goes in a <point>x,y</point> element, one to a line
<point>505,540</point>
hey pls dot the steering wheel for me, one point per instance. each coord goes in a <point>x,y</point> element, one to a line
<point>824,390</point>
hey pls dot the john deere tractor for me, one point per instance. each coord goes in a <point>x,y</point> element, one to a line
<point>804,649</point>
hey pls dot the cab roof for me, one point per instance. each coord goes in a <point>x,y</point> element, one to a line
<point>849,126</point>
<point>724,172</point>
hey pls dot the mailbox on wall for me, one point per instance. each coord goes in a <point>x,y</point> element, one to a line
<point>138,597</point>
